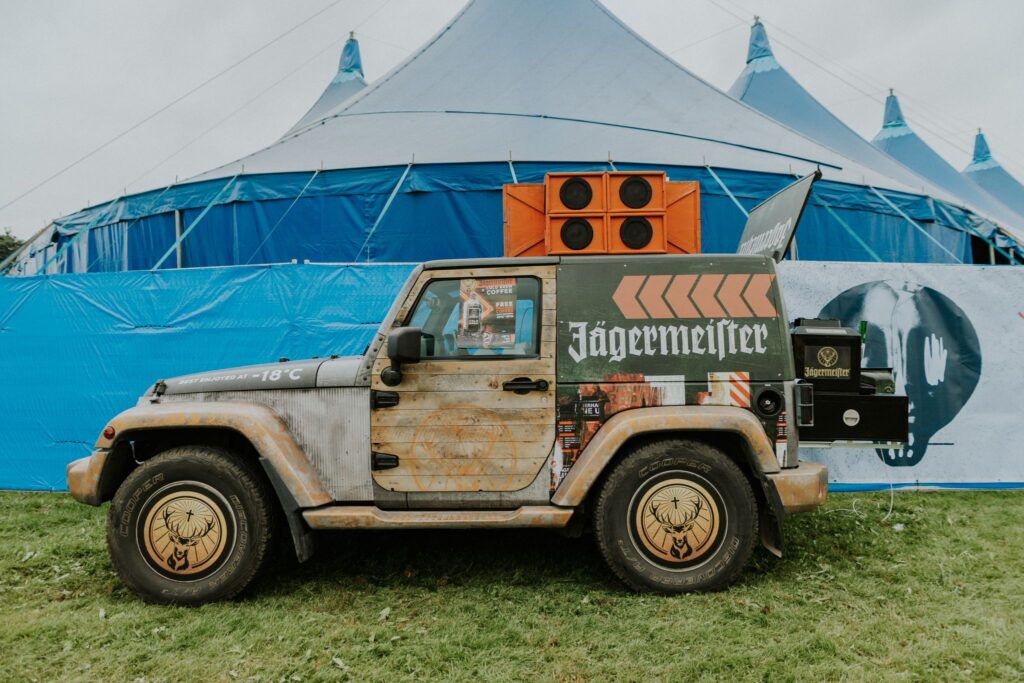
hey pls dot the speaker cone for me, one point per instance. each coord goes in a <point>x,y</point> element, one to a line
<point>769,402</point>
<point>636,232</point>
<point>576,233</point>
<point>575,193</point>
<point>635,192</point>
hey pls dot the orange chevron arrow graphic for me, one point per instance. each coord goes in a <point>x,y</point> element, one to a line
<point>650,296</point>
<point>731,295</point>
<point>625,297</point>
<point>756,296</point>
<point>704,296</point>
<point>678,296</point>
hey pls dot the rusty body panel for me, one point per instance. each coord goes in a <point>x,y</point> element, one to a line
<point>369,517</point>
<point>331,425</point>
<point>259,424</point>
<point>84,477</point>
<point>622,426</point>
<point>454,429</point>
<point>802,488</point>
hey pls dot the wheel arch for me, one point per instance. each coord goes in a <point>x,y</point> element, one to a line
<point>252,430</point>
<point>734,431</point>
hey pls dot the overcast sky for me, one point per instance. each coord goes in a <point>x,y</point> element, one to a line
<point>76,74</point>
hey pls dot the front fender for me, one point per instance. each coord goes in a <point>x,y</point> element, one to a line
<point>261,426</point>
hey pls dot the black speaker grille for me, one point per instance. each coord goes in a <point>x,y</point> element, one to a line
<point>635,192</point>
<point>577,234</point>
<point>575,193</point>
<point>636,232</point>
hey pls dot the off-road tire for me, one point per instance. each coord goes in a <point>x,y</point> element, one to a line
<point>191,525</point>
<point>673,483</point>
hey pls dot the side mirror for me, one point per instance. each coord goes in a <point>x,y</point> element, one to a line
<point>403,347</point>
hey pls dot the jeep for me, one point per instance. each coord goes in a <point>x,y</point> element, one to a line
<point>658,401</point>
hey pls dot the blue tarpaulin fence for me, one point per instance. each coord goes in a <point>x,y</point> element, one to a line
<point>76,350</point>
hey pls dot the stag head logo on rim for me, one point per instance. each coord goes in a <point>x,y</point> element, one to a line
<point>185,532</point>
<point>677,521</point>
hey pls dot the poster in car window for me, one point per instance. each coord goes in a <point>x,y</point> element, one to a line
<point>487,313</point>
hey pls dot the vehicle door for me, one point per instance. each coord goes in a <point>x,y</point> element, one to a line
<point>477,412</point>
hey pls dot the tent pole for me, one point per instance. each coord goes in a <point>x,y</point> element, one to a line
<point>726,189</point>
<point>380,217</point>
<point>177,236</point>
<point>125,249</point>
<point>914,223</point>
<point>279,220</point>
<point>512,170</point>
<point>193,224</point>
<point>853,233</point>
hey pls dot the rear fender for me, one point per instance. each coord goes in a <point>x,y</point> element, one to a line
<point>757,455</point>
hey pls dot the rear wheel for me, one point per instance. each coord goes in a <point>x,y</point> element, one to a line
<point>191,525</point>
<point>676,516</point>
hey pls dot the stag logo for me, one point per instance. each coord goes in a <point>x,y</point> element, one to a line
<point>185,532</point>
<point>677,521</point>
<point>827,356</point>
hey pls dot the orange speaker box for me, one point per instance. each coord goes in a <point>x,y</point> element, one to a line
<point>682,217</point>
<point>636,234</point>
<point>575,192</point>
<point>525,220</point>
<point>639,192</point>
<point>602,213</point>
<point>577,234</point>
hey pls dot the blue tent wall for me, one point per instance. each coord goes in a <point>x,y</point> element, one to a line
<point>76,350</point>
<point>454,211</point>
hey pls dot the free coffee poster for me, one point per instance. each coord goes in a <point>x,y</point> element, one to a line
<point>487,313</point>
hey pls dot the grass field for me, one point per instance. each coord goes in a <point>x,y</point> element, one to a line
<point>935,592</point>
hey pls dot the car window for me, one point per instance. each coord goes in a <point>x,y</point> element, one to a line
<point>478,317</point>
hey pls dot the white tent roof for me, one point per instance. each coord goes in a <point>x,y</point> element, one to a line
<point>347,81</point>
<point>547,81</point>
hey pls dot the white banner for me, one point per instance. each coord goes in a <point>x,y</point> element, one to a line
<point>954,336</point>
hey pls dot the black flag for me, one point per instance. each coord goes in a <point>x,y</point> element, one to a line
<point>772,223</point>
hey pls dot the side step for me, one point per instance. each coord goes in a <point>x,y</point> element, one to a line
<point>370,517</point>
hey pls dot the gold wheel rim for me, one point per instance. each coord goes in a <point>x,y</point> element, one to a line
<point>677,520</point>
<point>185,533</point>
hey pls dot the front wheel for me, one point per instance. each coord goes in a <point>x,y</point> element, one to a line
<point>191,525</point>
<point>676,516</point>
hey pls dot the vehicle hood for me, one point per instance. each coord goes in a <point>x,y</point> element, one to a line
<point>297,374</point>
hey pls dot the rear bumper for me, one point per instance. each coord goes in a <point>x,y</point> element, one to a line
<point>801,488</point>
<point>84,477</point>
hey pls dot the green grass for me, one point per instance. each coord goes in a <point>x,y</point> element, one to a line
<point>935,592</point>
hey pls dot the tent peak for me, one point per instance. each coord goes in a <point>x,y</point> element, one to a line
<point>350,65</point>
<point>982,158</point>
<point>981,150</point>
<point>893,113</point>
<point>893,123</point>
<point>759,47</point>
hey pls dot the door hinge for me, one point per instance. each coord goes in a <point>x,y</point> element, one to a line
<point>383,461</point>
<point>383,399</point>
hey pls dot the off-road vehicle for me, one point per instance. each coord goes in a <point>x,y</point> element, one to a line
<point>655,400</point>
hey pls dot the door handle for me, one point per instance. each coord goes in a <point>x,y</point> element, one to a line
<point>524,385</point>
